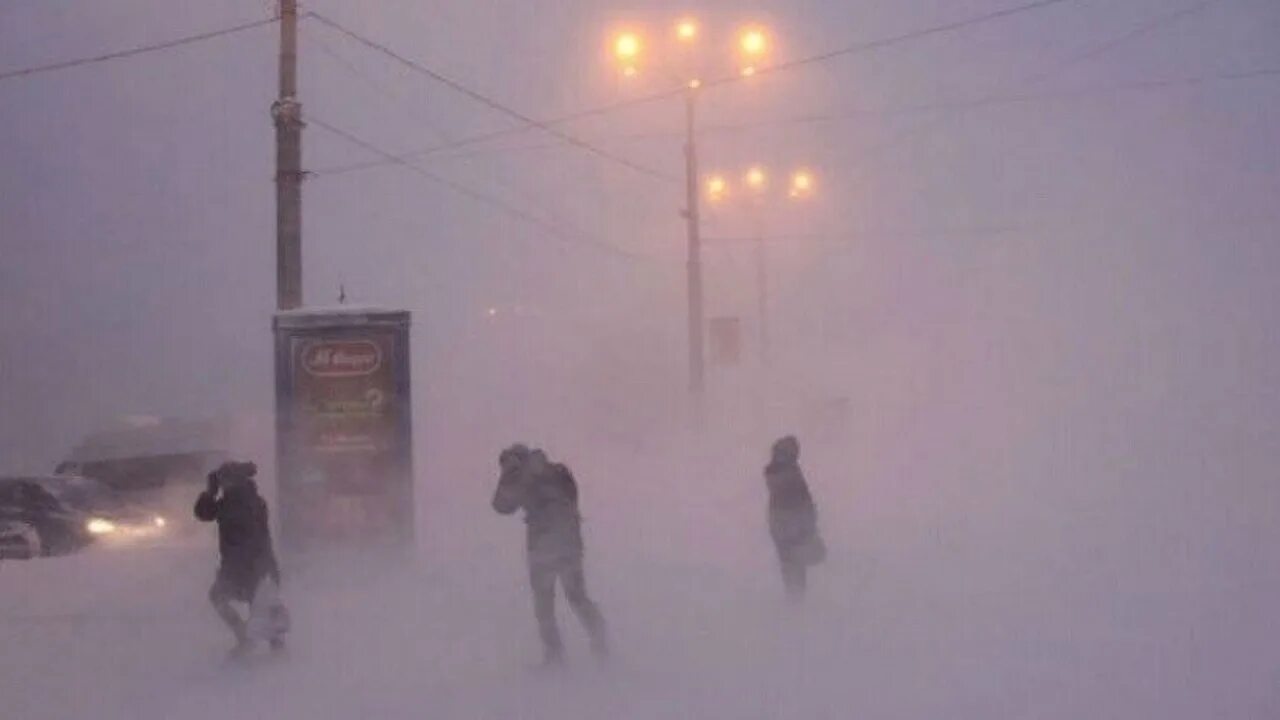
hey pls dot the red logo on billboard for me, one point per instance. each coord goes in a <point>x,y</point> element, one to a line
<point>343,358</point>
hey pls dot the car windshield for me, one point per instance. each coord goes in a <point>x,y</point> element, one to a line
<point>83,493</point>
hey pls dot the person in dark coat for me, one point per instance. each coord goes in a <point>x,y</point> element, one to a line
<point>793,516</point>
<point>244,543</point>
<point>548,494</point>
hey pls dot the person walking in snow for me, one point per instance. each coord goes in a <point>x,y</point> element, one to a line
<point>793,517</point>
<point>232,501</point>
<point>548,494</point>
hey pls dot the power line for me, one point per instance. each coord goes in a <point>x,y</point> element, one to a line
<point>870,46</point>
<point>508,209</point>
<point>675,92</point>
<point>490,102</point>
<point>142,49</point>
<point>1140,86</point>
<point>1087,54</point>
<point>851,238</point>
<point>506,132</point>
<point>989,101</point>
<point>350,67</point>
<point>399,99</point>
<point>1147,27</point>
<point>1011,99</point>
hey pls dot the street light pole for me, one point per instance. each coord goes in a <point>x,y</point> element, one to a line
<point>628,49</point>
<point>757,184</point>
<point>762,294</point>
<point>287,114</point>
<point>697,368</point>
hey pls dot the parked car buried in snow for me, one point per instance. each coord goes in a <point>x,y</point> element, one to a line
<point>66,513</point>
<point>18,541</point>
<point>37,523</point>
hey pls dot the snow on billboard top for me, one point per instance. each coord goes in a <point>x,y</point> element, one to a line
<point>339,315</point>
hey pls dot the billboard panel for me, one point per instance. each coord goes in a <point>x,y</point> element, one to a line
<point>343,428</point>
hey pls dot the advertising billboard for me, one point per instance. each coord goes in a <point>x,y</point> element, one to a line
<point>344,428</point>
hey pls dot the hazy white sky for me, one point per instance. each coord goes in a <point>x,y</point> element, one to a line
<point>137,202</point>
<point>1051,314</point>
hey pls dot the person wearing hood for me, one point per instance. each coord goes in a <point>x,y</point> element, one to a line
<point>244,543</point>
<point>793,516</point>
<point>548,494</point>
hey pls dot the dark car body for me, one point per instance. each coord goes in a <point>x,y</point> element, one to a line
<point>18,541</point>
<point>61,528</point>
<point>112,515</point>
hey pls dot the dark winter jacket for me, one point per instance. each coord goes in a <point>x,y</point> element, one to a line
<point>244,532</point>
<point>548,494</point>
<point>793,517</point>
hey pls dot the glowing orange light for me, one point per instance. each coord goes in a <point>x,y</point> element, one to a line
<point>687,30</point>
<point>756,178</point>
<point>627,46</point>
<point>753,42</point>
<point>801,183</point>
<point>717,187</point>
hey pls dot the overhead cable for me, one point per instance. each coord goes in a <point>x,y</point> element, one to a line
<point>547,228</point>
<point>131,52</point>
<point>549,123</point>
<point>490,102</point>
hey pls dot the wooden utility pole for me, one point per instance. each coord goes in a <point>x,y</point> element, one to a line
<point>286,111</point>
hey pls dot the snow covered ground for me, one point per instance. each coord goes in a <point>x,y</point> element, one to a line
<point>913,616</point>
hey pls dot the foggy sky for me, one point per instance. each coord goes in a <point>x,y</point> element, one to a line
<point>1052,320</point>
<point>1084,249</point>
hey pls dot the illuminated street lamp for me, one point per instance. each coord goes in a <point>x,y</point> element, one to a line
<point>753,42</point>
<point>753,47</point>
<point>687,30</point>
<point>801,184</point>
<point>717,188</point>
<point>626,48</point>
<point>756,182</point>
<point>756,179</point>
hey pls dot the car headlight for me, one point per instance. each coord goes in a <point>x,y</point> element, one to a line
<point>100,526</point>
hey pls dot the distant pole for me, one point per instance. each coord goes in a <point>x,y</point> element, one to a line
<point>755,208</point>
<point>286,111</point>
<point>762,296</point>
<point>697,369</point>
